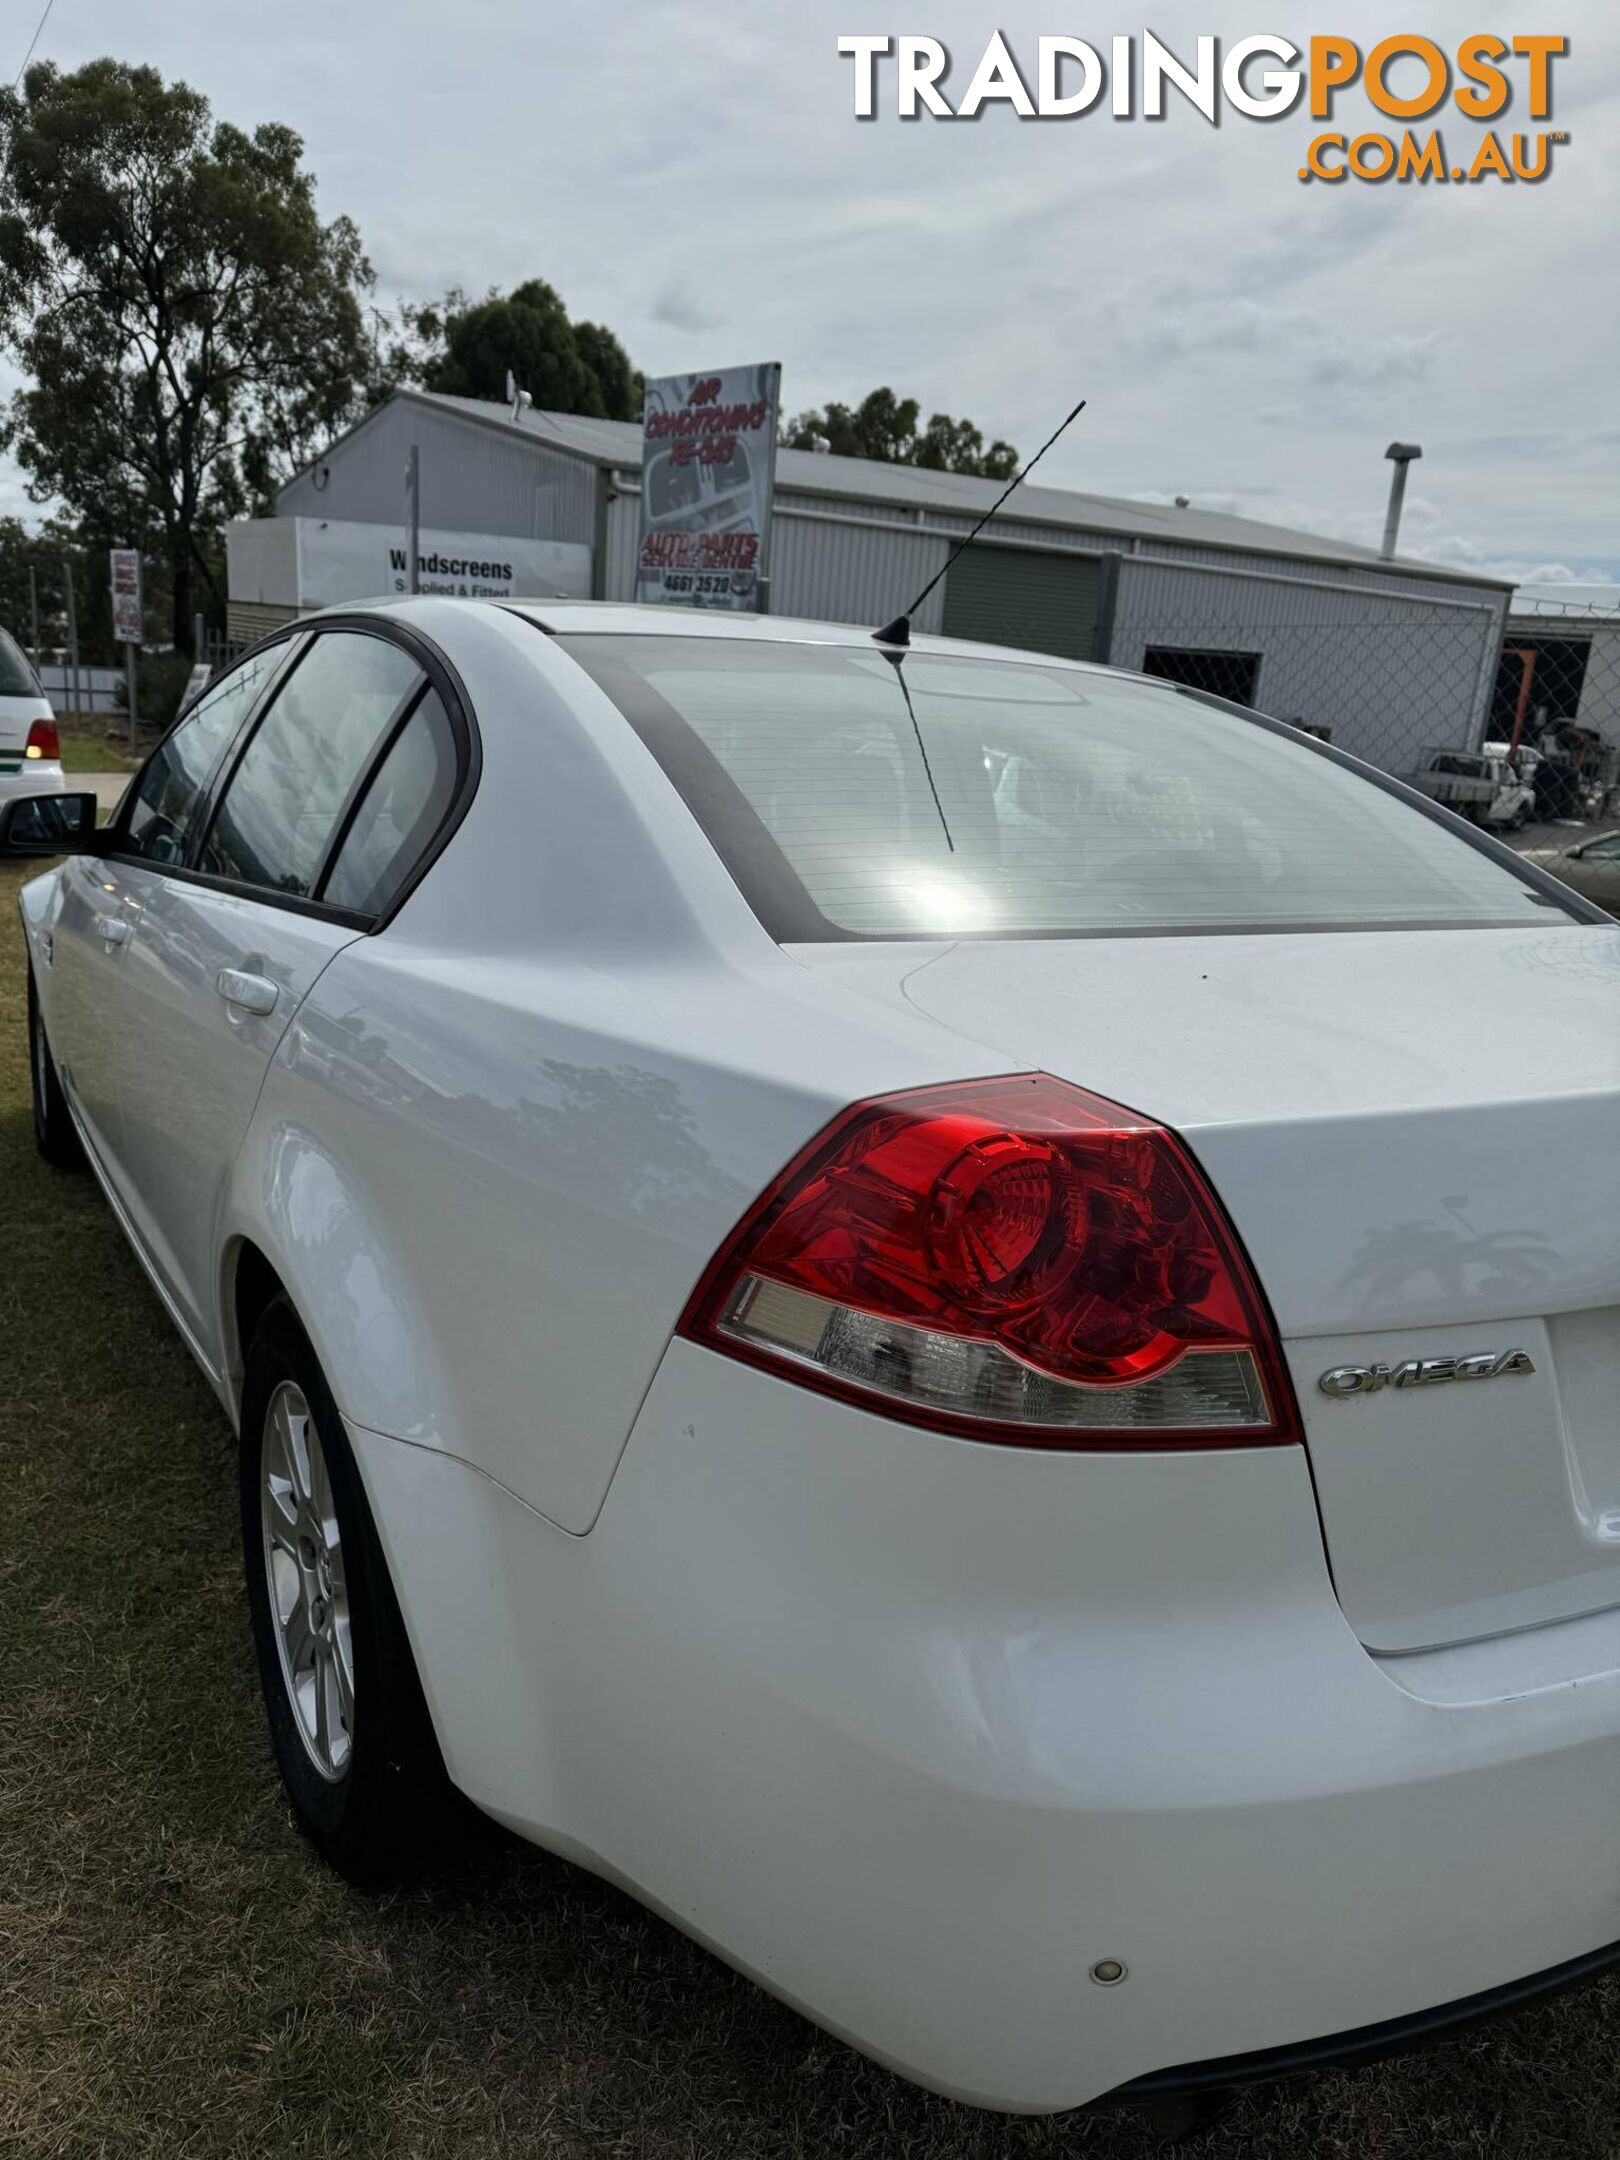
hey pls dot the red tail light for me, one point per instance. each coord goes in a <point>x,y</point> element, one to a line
<point>1012,1259</point>
<point>43,740</point>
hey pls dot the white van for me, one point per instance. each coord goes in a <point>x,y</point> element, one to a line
<point>30,751</point>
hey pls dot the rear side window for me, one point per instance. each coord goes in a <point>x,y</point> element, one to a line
<point>172,789</point>
<point>17,678</point>
<point>294,781</point>
<point>949,796</point>
<point>398,815</point>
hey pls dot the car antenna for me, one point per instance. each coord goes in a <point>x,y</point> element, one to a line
<point>894,659</point>
<point>898,632</point>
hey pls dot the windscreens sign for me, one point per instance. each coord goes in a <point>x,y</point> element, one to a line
<point>708,462</point>
<point>345,561</point>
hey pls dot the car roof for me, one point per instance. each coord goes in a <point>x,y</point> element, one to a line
<point>616,618</point>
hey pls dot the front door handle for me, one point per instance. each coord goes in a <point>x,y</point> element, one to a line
<point>253,993</point>
<point>112,929</point>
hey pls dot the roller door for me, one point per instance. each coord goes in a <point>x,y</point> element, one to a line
<point>1020,596</point>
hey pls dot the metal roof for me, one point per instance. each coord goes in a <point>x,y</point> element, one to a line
<point>617,443</point>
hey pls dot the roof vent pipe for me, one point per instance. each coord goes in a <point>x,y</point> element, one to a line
<point>1402,453</point>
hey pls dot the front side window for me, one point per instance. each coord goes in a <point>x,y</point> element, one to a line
<point>851,796</point>
<point>282,803</point>
<point>172,789</point>
<point>17,677</point>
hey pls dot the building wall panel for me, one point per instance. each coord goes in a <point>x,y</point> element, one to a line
<point>852,573</point>
<point>473,479</point>
<point>1387,674</point>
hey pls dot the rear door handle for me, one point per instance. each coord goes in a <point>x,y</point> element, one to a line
<point>253,993</point>
<point>112,929</point>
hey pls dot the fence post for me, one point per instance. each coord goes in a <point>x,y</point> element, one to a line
<point>413,518</point>
<point>1102,634</point>
<point>72,627</point>
<point>33,615</point>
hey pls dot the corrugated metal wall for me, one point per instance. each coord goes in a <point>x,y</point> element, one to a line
<point>474,479</point>
<point>1386,671</point>
<point>1366,576</point>
<point>859,573</point>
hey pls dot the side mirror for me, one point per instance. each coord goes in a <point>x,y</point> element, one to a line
<point>48,825</point>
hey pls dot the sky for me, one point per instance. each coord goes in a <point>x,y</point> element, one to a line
<point>694,177</point>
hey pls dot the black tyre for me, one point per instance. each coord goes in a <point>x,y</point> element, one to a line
<point>348,1722</point>
<point>55,1135</point>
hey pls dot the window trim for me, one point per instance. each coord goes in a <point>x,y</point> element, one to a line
<point>398,721</point>
<point>299,639</point>
<point>402,719</point>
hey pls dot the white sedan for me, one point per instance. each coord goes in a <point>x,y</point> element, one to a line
<point>957,1314</point>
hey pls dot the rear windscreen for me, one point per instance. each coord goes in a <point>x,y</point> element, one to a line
<point>17,678</point>
<point>943,796</point>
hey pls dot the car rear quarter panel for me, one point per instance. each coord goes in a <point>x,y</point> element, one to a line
<point>501,1140</point>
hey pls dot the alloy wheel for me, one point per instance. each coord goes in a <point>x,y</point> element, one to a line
<point>309,1599</point>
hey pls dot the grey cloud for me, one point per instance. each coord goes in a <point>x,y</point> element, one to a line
<point>1395,359</point>
<point>679,311</point>
<point>694,178</point>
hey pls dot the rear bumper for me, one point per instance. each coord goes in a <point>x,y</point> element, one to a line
<point>1373,2043</point>
<point>30,776</point>
<point>917,1731</point>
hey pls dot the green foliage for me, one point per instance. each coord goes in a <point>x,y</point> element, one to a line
<point>884,427</point>
<point>49,553</point>
<point>189,327</point>
<point>565,366</point>
<point>160,682</point>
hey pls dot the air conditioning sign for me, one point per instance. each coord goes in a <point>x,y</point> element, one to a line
<point>708,465</point>
<point>1349,90</point>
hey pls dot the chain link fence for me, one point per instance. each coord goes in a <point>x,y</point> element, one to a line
<point>1515,725</point>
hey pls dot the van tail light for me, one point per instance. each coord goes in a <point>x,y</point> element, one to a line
<point>43,741</point>
<point>1013,1260</point>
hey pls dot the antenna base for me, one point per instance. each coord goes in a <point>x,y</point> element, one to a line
<point>897,632</point>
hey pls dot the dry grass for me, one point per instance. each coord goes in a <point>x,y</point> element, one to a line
<point>179,1978</point>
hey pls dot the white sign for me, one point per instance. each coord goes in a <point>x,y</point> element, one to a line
<point>126,595</point>
<point>341,560</point>
<point>708,461</point>
<point>196,684</point>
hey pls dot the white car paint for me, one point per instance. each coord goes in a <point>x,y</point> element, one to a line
<point>917,1729</point>
<point>21,774</point>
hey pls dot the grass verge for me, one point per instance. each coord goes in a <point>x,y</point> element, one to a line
<point>178,1977</point>
<point>97,745</point>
